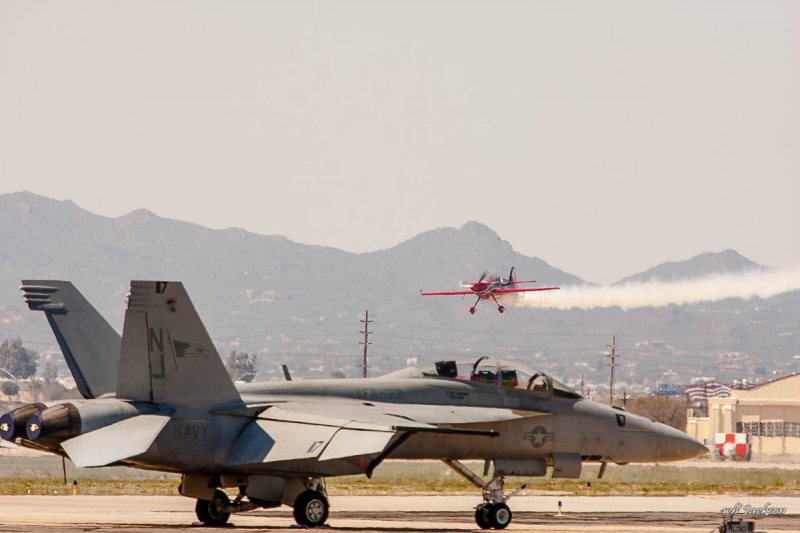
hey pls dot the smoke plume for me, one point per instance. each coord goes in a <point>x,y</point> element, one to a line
<point>762,284</point>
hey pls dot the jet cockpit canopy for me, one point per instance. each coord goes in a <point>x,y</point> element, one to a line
<point>503,373</point>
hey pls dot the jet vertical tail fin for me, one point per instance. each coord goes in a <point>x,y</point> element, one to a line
<point>167,354</point>
<point>88,342</point>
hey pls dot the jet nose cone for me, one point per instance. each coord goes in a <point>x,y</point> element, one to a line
<point>675,445</point>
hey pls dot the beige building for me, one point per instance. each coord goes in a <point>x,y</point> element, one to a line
<point>769,412</point>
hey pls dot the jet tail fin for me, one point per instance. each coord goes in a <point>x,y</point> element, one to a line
<point>88,342</point>
<point>167,354</point>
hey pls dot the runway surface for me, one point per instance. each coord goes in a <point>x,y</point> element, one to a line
<point>155,514</point>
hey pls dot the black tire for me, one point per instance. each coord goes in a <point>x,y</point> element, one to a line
<point>499,515</point>
<point>311,509</point>
<point>212,513</point>
<point>481,516</point>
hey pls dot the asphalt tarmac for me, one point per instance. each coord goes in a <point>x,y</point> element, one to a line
<point>408,514</point>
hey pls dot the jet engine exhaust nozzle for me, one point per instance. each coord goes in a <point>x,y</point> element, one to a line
<point>12,423</point>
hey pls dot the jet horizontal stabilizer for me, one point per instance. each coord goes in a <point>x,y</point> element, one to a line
<point>109,444</point>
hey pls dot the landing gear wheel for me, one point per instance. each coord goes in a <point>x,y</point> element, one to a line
<point>311,509</point>
<point>501,308</point>
<point>472,310</point>
<point>499,515</point>
<point>212,513</point>
<point>481,516</point>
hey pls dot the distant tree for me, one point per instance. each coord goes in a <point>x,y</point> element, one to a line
<point>35,386</point>
<point>17,360</point>
<point>241,366</point>
<point>50,373</point>
<point>669,410</point>
<point>10,388</point>
<point>53,390</point>
<point>338,375</point>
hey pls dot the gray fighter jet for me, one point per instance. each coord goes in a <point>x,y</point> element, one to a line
<point>176,410</point>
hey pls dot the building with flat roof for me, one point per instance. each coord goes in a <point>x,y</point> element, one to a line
<point>769,412</point>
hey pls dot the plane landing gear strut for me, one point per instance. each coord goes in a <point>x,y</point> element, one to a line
<point>493,513</point>
<point>500,308</point>
<point>472,309</point>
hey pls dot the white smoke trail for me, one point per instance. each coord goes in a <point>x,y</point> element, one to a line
<point>762,284</point>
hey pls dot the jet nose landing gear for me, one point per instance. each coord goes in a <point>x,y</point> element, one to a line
<point>493,513</point>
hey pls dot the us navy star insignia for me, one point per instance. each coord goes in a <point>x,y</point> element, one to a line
<point>539,436</point>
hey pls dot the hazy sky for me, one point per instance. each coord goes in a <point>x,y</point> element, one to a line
<point>604,137</point>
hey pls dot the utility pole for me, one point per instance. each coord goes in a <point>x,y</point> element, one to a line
<point>583,391</point>
<point>366,333</point>
<point>613,354</point>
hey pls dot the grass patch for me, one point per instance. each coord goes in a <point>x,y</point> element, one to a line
<point>42,475</point>
<point>631,480</point>
<point>95,487</point>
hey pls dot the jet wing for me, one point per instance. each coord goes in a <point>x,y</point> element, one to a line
<point>444,293</point>
<point>326,430</point>
<point>279,435</point>
<point>400,414</point>
<point>387,414</point>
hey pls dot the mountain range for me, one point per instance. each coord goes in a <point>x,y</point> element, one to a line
<point>302,305</point>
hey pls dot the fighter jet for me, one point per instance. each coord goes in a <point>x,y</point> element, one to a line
<point>176,410</point>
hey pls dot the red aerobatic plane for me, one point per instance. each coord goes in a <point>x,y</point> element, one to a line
<point>493,287</point>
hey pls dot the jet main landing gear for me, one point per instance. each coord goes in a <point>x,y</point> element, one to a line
<point>493,513</point>
<point>311,509</point>
<point>311,506</point>
<point>212,512</point>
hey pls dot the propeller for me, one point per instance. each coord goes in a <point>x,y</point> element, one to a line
<point>483,276</point>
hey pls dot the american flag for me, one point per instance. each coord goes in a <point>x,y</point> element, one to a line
<point>709,389</point>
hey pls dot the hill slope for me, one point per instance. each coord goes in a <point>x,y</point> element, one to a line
<point>703,265</point>
<point>301,304</point>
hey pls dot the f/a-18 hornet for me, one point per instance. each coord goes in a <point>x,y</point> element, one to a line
<point>491,287</point>
<point>176,410</point>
